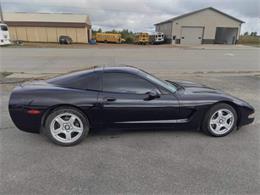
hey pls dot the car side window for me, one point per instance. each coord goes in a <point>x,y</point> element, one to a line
<point>89,81</point>
<point>125,83</point>
<point>92,82</point>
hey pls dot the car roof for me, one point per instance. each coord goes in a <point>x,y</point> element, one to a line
<point>125,69</point>
<point>129,69</point>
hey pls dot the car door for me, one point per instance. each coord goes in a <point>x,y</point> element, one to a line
<point>126,101</point>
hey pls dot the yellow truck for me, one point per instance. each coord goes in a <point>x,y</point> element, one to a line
<point>109,38</point>
<point>141,38</point>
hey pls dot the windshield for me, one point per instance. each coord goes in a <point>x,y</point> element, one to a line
<point>160,82</point>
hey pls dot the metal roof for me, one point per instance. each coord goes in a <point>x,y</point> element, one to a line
<point>46,17</point>
<point>197,11</point>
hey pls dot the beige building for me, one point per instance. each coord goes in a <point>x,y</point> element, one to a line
<point>47,27</point>
<point>203,26</point>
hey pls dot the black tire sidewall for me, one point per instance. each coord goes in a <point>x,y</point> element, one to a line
<point>61,110</point>
<point>211,111</point>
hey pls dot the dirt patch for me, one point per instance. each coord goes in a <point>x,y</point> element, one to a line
<point>98,45</point>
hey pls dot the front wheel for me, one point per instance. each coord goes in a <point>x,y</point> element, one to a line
<point>220,120</point>
<point>66,126</point>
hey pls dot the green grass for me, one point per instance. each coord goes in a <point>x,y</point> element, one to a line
<point>253,45</point>
<point>5,74</point>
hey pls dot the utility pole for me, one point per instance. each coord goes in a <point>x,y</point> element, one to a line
<point>1,13</point>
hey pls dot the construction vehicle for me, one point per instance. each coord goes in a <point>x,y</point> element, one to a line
<point>109,38</point>
<point>156,38</point>
<point>141,38</point>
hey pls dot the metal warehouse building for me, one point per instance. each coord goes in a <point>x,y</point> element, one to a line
<point>47,27</point>
<point>203,26</point>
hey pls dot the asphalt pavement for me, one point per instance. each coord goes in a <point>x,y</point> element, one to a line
<point>155,59</point>
<point>133,161</point>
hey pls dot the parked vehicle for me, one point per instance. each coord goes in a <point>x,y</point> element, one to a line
<point>92,42</point>
<point>63,39</point>
<point>157,38</point>
<point>141,38</point>
<point>4,34</point>
<point>109,37</point>
<point>66,107</point>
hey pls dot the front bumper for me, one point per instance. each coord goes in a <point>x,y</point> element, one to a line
<point>247,116</point>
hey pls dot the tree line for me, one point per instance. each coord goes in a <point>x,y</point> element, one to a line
<point>253,34</point>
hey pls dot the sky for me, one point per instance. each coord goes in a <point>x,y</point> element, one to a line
<point>138,15</point>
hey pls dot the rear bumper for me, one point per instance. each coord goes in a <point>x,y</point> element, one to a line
<point>24,121</point>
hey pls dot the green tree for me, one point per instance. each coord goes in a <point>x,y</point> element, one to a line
<point>127,35</point>
<point>94,32</point>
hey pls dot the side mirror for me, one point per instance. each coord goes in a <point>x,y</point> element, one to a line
<point>153,94</point>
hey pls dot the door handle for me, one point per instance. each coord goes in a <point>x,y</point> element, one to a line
<point>109,99</point>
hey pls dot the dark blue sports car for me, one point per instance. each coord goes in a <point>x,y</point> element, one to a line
<point>66,107</point>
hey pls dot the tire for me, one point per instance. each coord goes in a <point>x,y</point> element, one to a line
<point>220,120</point>
<point>66,126</point>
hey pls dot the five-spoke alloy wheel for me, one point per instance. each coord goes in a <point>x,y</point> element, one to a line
<point>220,120</point>
<point>66,126</point>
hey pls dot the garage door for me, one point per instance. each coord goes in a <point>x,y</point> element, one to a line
<point>226,35</point>
<point>191,35</point>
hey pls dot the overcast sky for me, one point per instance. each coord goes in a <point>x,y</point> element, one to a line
<point>139,15</point>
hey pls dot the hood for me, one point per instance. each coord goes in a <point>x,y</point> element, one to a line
<point>191,87</point>
<point>193,92</point>
<point>187,84</point>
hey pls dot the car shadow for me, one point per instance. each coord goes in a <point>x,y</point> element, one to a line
<point>116,132</point>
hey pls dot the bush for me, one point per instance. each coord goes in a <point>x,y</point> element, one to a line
<point>246,39</point>
<point>129,40</point>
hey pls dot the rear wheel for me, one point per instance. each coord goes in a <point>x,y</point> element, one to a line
<point>66,126</point>
<point>220,120</point>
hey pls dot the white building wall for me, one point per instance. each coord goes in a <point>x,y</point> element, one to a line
<point>208,19</point>
<point>165,28</point>
<point>47,34</point>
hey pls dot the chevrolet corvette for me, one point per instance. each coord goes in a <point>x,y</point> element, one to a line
<point>65,108</point>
